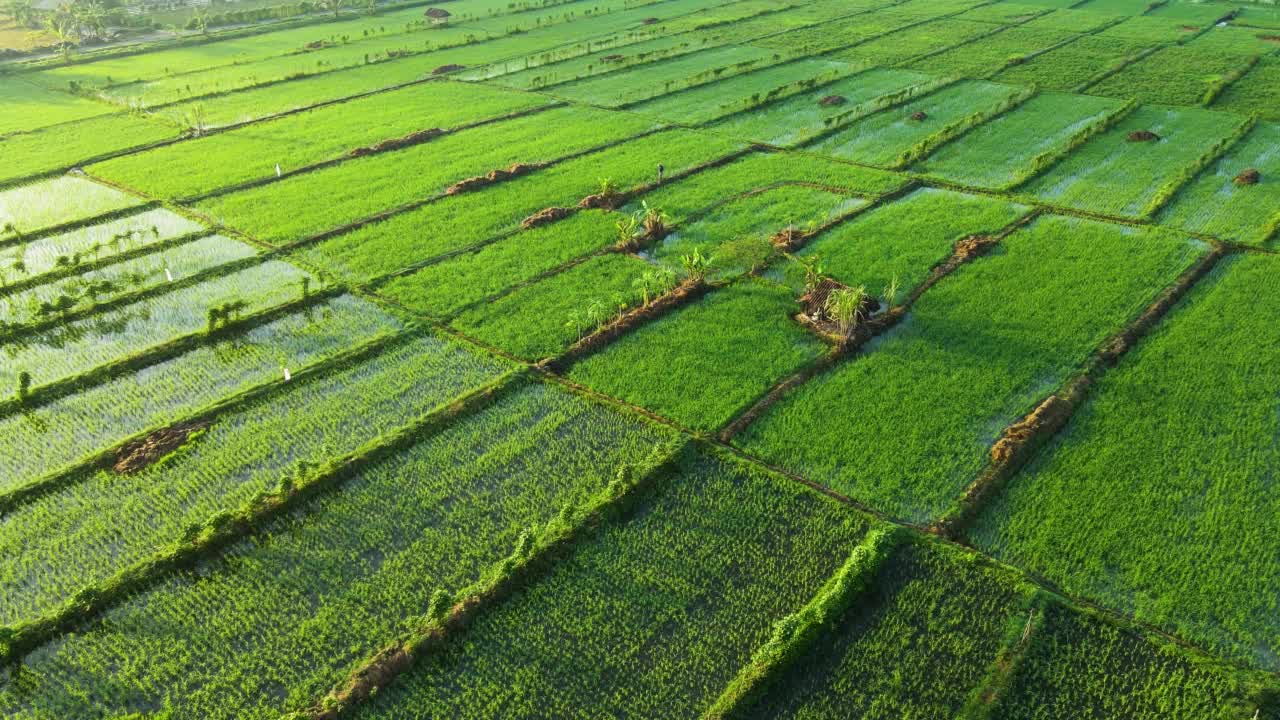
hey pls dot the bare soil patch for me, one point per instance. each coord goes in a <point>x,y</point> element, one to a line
<point>919,115</point>
<point>1249,176</point>
<point>1142,136</point>
<point>650,21</point>
<point>972,246</point>
<point>138,454</point>
<point>1270,38</point>
<point>491,177</point>
<point>832,101</point>
<point>412,138</point>
<point>1047,417</point>
<point>612,58</point>
<point>545,216</point>
<point>451,67</point>
<point>788,239</point>
<point>437,13</point>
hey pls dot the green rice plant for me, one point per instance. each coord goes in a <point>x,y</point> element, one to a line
<point>646,617</point>
<point>441,289</point>
<point>844,305</point>
<point>104,241</point>
<point>1076,21</point>
<point>1149,29</point>
<point>79,346</point>
<point>1083,666</point>
<point>1113,175</point>
<point>700,346</point>
<point>27,106</point>
<point>801,117</point>
<point>102,416</point>
<point>1108,540</point>
<point>941,386</point>
<point>206,164</point>
<point>651,80</point>
<point>1006,13</point>
<point>887,137</point>
<point>87,289</point>
<point>276,621</point>
<point>1018,144</point>
<point>1067,67</point>
<point>906,238</point>
<point>462,221</point>
<point>1162,77</point>
<point>746,92</point>
<point>960,126</point>
<point>413,174</point>
<point>837,34</point>
<point>699,194</point>
<point>1217,204</point>
<point>901,47</point>
<point>913,643</point>
<point>989,55</point>
<point>530,322</point>
<point>59,147</point>
<point>555,66</point>
<point>48,203</point>
<point>1188,172</point>
<point>65,545</point>
<point>753,215</point>
<point>1258,92</point>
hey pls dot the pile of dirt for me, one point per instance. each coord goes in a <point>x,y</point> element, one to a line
<point>1142,136</point>
<point>138,454</point>
<point>832,101</point>
<point>545,216</point>
<point>788,239</point>
<point>412,138</point>
<point>919,115</point>
<point>493,176</point>
<point>1270,38</point>
<point>612,58</point>
<point>602,201</point>
<point>451,67</point>
<point>650,21</point>
<point>1047,417</point>
<point>317,44</point>
<point>1190,28</point>
<point>437,13</point>
<point>972,246</point>
<point>1249,176</point>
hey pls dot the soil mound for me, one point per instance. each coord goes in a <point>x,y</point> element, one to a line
<point>138,454</point>
<point>788,239</point>
<point>447,68</point>
<point>832,101</point>
<point>437,13</point>
<point>317,44</point>
<point>1250,176</point>
<point>919,115</point>
<point>612,58</point>
<point>1270,38</point>
<point>814,303</point>
<point>412,138</point>
<point>493,176</point>
<point>1048,416</point>
<point>1142,136</point>
<point>650,21</point>
<point>972,246</point>
<point>545,216</point>
<point>601,201</point>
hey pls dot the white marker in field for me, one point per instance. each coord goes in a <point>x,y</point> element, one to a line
<point>168,275</point>
<point>277,169</point>
<point>287,376</point>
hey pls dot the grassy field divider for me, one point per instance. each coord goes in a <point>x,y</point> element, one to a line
<point>1020,441</point>
<point>28,492</point>
<point>1053,156</point>
<point>794,634</point>
<point>1170,188</point>
<point>42,394</point>
<point>66,271</point>
<point>1018,637</point>
<point>16,331</point>
<point>417,137</point>
<point>1217,86</point>
<point>72,225</point>
<point>958,128</point>
<point>535,552</point>
<point>207,539</point>
<point>1116,67</point>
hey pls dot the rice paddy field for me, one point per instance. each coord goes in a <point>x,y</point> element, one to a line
<point>699,359</point>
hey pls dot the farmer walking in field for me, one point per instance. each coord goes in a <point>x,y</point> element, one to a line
<point>661,169</point>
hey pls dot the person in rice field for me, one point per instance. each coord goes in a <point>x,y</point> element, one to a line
<point>661,169</point>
